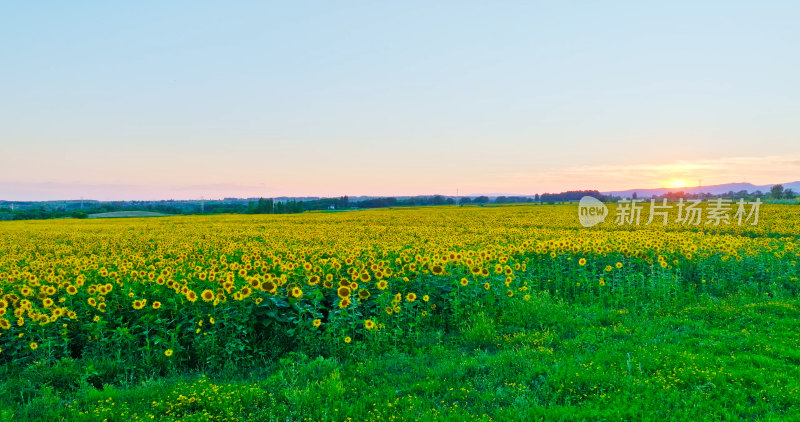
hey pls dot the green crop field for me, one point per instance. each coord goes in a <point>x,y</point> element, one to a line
<point>435,313</point>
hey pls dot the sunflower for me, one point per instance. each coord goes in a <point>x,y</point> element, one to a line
<point>389,310</point>
<point>347,339</point>
<point>382,285</point>
<point>343,292</point>
<point>207,295</point>
<point>317,322</point>
<point>138,304</point>
<point>71,290</point>
<point>582,262</point>
<point>156,305</point>
<point>33,345</point>
<point>464,281</point>
<point>168,352</point>
<point>437,269</point>
<point>369,324</point>
<point>344,303</point>
<point>365,277</point>
<point>269,287</point>
<point>619,265</point>
<point>426,298</point>
<point>191,296</point>
<point>411,297</point>
<point>363,294</point>
<point>487,286</point>
<point>297,293</point>
<point>510,293</point>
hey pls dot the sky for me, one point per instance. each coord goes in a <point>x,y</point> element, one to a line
<point>191,99</point>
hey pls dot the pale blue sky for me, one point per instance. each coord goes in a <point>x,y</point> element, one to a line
<point>139,100</point>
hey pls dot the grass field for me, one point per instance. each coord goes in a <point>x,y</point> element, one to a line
<point>438,313</point>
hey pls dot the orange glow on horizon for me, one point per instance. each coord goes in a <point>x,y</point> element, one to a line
<point>677,183</point>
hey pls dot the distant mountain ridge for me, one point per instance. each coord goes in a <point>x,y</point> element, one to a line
<point>712,189</point>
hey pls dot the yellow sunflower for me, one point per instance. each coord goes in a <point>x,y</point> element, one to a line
<point>343,292</point>
<point>207,295</point>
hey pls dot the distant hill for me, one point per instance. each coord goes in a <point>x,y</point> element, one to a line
<point>712,189</point>
<point>121,214</point>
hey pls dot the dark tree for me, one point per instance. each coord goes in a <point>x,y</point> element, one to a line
<point>776,191</point>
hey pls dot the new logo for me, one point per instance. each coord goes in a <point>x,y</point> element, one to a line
<point>591,211</point>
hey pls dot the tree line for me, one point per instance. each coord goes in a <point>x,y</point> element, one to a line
<point>77,209</point>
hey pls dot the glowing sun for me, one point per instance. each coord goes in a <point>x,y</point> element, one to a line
<point>676,183</point>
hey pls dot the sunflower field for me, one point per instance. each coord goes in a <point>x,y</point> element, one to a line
<point>203,293</point>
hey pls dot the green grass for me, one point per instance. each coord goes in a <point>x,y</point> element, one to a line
<point>728,358</point>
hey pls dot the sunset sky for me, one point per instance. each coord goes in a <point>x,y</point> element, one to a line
<point>190,99</point>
